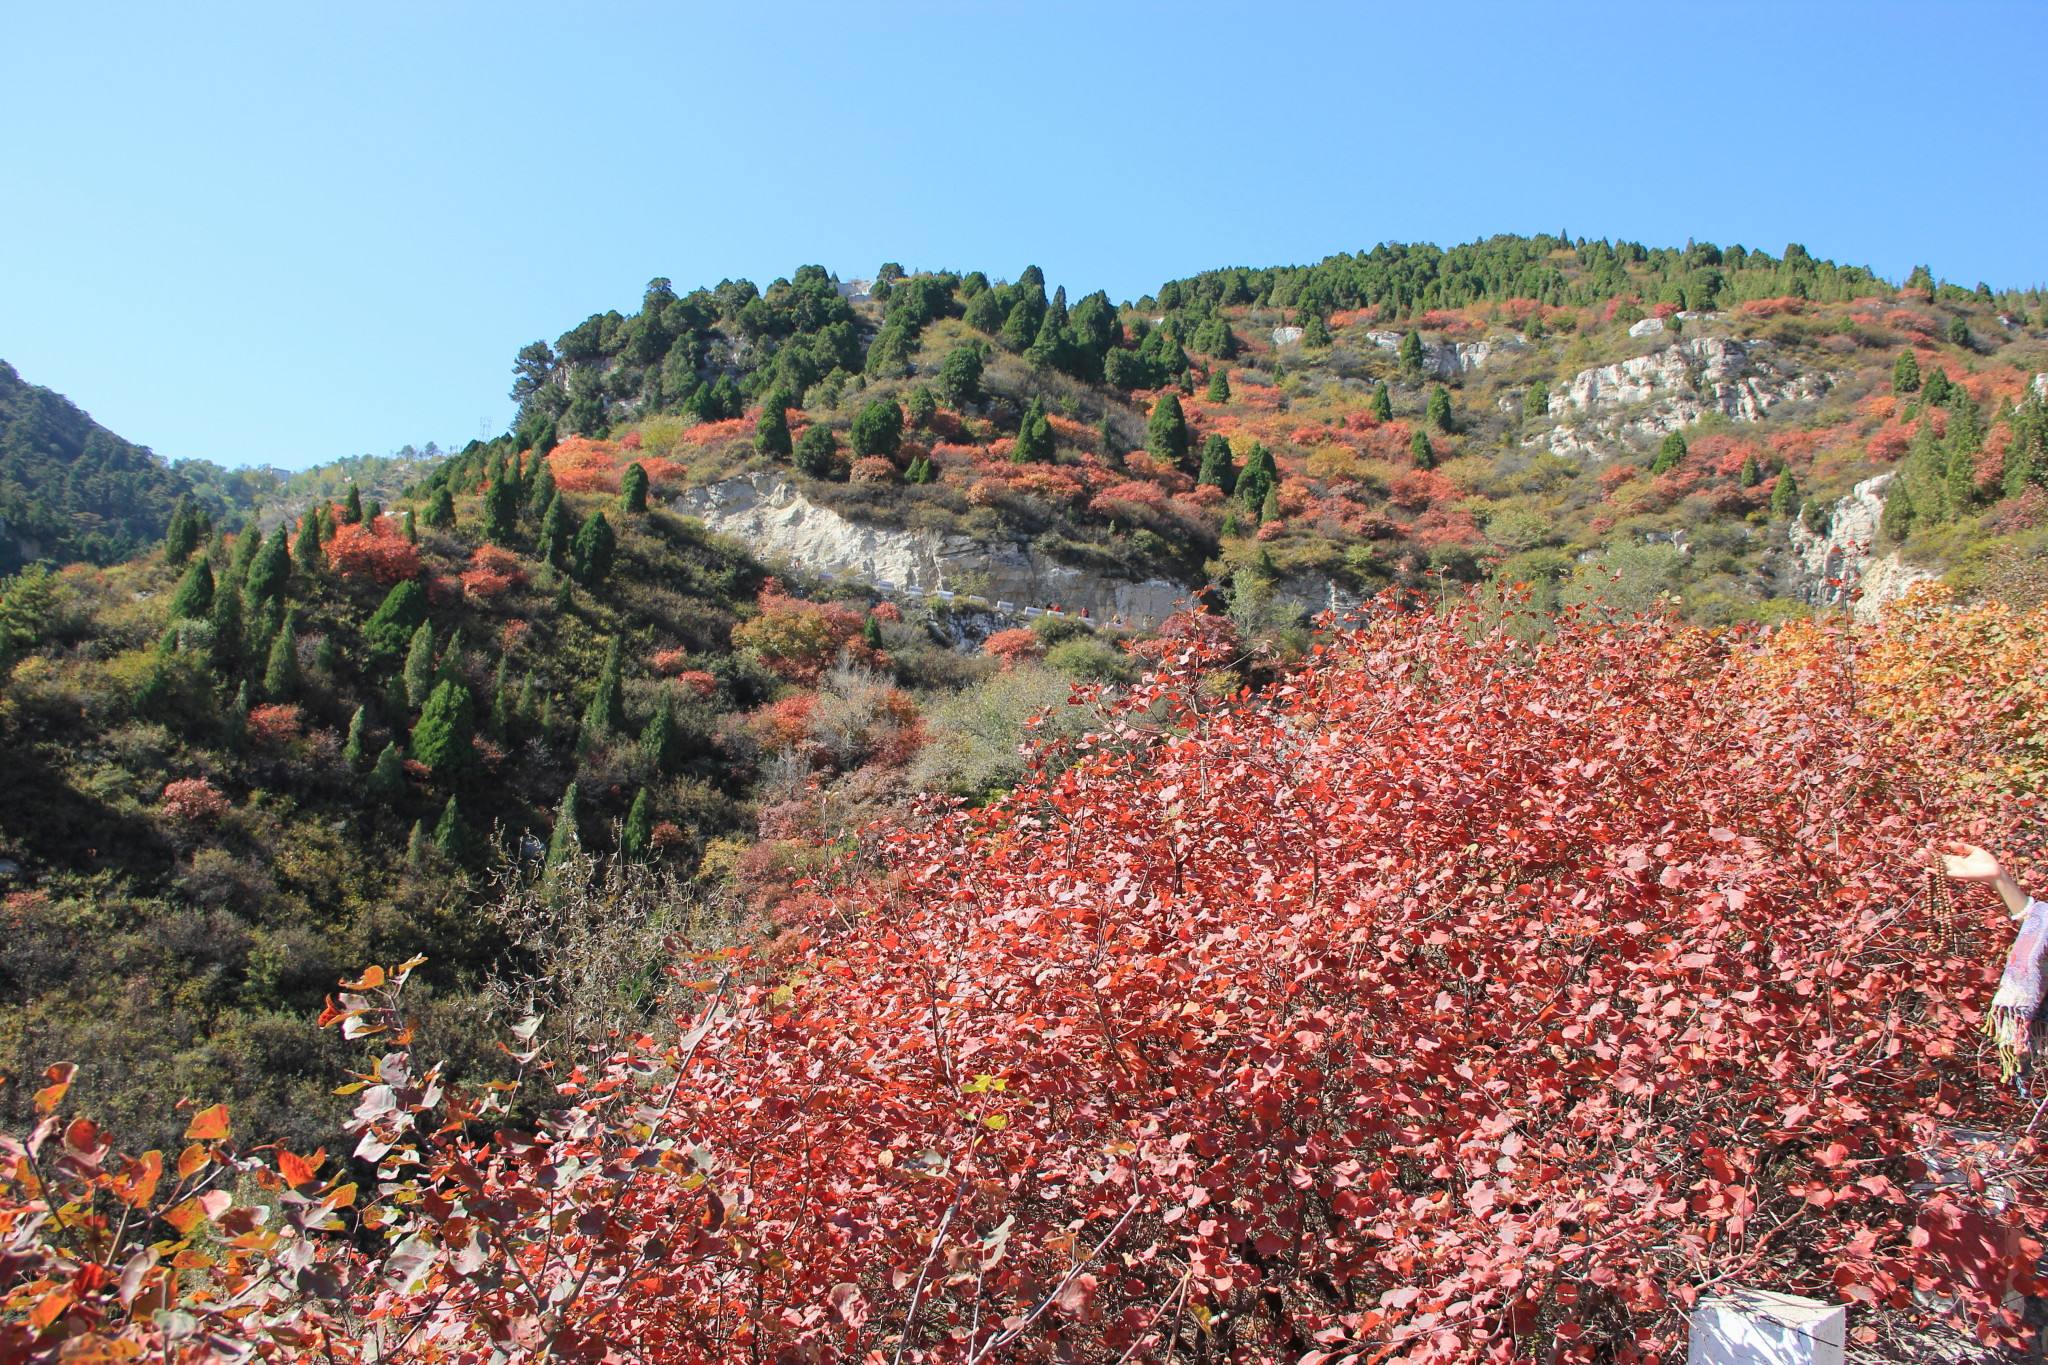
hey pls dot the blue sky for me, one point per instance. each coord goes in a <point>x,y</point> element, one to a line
<point>284,233</point>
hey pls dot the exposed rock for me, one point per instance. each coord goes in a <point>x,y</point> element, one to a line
<point>855,290</point>
<point>1836,568</point>
<point>1673,387</point>
<point>780,523</point>
<point>1646,327</point>
<point>1286,336</point>
<point>1314,596</point>
<point>1449,359</point>
<point>2039,388</point>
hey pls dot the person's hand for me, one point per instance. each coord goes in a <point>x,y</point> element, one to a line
<point>1969,863</point>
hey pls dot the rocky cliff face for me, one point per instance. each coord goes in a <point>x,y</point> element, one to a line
<point>1836,568</point>
<point>1637,401</point>
<point>775,518</point>
<point>1449,359</point>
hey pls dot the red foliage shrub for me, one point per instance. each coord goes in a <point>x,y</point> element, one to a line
<point>275,725</point>
<point>799,640</point>
<point>493,571</point>
<point>1906,320</point>
<point>1664,310</point>
<point>583,465</point>
<point>1415,489</point>
<point>874,469</point>
<point>886,611</point>
<point>378,554</point>
<point>1013,646</point>
<point>698,681</point>
<point>193,801</point>
<point>728,429</point>
<point>1771,308</point>
<point>669,662</point>
<point>631,441</point>
<point>784,724</point>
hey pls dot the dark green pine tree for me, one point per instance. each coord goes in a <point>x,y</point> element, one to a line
<point>418,671</point>
<point>1536,402</point>
<point>416,846</point>
<point>390,628</point>
<point>660,739</point>
<point>878,428</point>
<point>817,452</point>
<point>633,489</point>
<point>371,511</point>
<point>194,597</point>
<point>920,471</point>
<point>1219,387</point>
<point>181,538</point>
<point>1410,353</point>
<point>268,571</point>
<point>235,721</point>
<point>771,429</point>
<point>386,782</point>
<point>444,737</point>
<point>248,544</point>
<point>1959,481</point>
<point>1382,403</point>
<point>1166,432</point>
<point>306,548</point>
<point>454,656</point>
<point>1437,411</point>
<point>1785,495</point>
<point>441,509</point>
<point>639,828</point>
<point>1259,477</point>
<point>352,507</point>
<point>871,632</point>
<point>1314,331</point>
<point>1896,522</point>
<point>552,544</point>
<point>451,834</point>
<point>1034,436</point>
<point>281,671</point>
<point>1936,386</point>
<point>541,490</point>
<point>500,506</point>
<point>1752,473</point>
<point>566,838</point>
<point>226,615</point>
<point>352,752</point>
<point>1906,373</point>
<point>1670,454</point>
<point>592,551</point>
<point>1420,448</point>
<point>407,529</point>
<point>502,701</point>
<point>1219,469</point>
<point>606,714</point>
<point>1269,507</point>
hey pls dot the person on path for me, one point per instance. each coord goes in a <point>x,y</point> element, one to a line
<point>2016,1021</point>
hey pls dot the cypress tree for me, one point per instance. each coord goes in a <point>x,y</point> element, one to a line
<point>1034,436</point>
<point>1219,387</point>
<point>500,507</point>
<point>235,722</point>
<point>1382,403</point>
<point>1669,454</point>
<point>352,506</point>
<point>1421,450</point>
<point>1315,331</point>
<point>633,488</point>
<point>194,597</point>
<point>1785,495</point>
<point>268,570</point>
<point>1959,482</point>
<point>390,628</point>
<point>1269,508</point>
<point>181,538</point>
<point>1906,373</point>
<point>920,471</point>
<point>1437,411</point>
<point>248,542</point>
<point>593,549</point>
<point>1936,386</point>
<point>226,615</point>
<point>281,672</point>
<point>1409,352</point>
<point>1536,402</point>
<point>1219,470</point>
<point>1896,523</point>
<point>565,840</point>
<point>419,666</point>
<point>451,835</point>
<point>817,452</point>
<point>542,492</point>
<point>871,632</point>
<point>659,737</point>
<point>443,737</point>
<point>606,714</point>
<point>441,509</point>
<point>878,428</point>
<point>416,846</point>
<point>1752,474</point>
<point>408,529</point>
<point>553,541</point>
<point>1166,432</point>
<point>306,549</point>
<point>1258,477</point>
<point>502,700</point>
<point>639,829</point>
<point>352,752</point>
<point>386,781</point>
<point>771,429</point>
<point>371,511</point>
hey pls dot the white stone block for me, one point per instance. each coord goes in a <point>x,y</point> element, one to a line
<point>1757,1327</point>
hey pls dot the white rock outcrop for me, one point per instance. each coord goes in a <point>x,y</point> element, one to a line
<point>1449,359</point>
<point>1286,336</point>
<point>2039,388</point>
<point>1836,568</point>
<point>1639,400</point>
<point>780,523</point>
<point>1646,327</point>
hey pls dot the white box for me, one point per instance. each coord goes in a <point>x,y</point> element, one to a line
<point>1757,1327</point>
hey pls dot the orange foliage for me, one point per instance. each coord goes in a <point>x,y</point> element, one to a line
<point>493,571</point>
<point>583,465</point>
<point>275,725</point>
<point>1013,646</point>
<point>379,554</point>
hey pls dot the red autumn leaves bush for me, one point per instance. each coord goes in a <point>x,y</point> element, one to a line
<point>380,553</point>
<point>1459,998</point>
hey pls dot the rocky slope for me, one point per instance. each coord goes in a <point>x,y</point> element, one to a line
<point>1637,401</point>
<point>1836,567</point>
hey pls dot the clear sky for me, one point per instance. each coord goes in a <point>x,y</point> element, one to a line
<point>285,232</point>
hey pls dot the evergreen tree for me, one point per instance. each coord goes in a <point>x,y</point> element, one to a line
<point>1166,432</point>
<point>960,376</point>
<point>1906,373</point>
<point>817,453</point>
<point>1410,353</point>
<point>871,632</point>
<point>1936,386</point>
<point>194,597</point>
<point>1315,331</point>
<point>443,738</point>
<point>922,407</point>
<point>306,548</point>
<point>1437,411</point>
<point>182,536</point>
<point>386,781</point>
<point>390,628</point>
<point>1382,403</point>
<point>352,508</point>
<point>606,714</point>
<point>352,752</point>
<point>407,529</point>
<point>1259,477</point>
<point>1784,495</point>
<point>1536,402</point>
<point>235,723</point>
<point>660,740</point>
<point>1219,469</point>
<point>1669,454</point>
<point>1752,474</point>
<point>541,491</point>
<point>1896,523</point>
<point>1219,387</point>
<point>771,428</point>
<point>1269,507</point>
<point>1421,450</point>
<point>633,489</point>
<point>248,544</point>
<point>441,509</point>
<point>500,507</point>
<point>454,658</point>
<point>639,828</point>
<point>502,700</point>
<point>451,835</point>
<point>268,570</point>
<point>416,846</point>
<point>566,839</point>
<point>281,672</point>
<point>226,615</point>
<point>920,471</point>
<point>878,428</point>
<point>593,550</point>
<point>552,544</point>
<point>419,666</point>
<point>1034,436</point>
<point>1959,332</point>
<point>1959,481</point>
<point>371,511</point>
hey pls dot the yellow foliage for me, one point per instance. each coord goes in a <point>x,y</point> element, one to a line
<point>1334,462</point>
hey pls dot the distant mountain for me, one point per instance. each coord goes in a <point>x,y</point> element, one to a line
<point>69,488</point>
